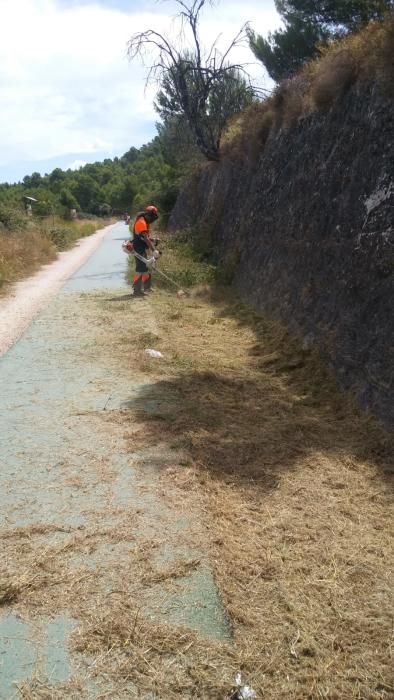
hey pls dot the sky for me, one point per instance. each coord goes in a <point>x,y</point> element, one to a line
<point>69,95</point>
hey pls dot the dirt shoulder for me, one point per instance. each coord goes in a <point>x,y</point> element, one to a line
<point>27,297</point>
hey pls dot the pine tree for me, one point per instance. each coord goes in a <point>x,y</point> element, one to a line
<point>309,24</point>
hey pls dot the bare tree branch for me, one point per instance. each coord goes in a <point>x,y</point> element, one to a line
<point>205,90</point>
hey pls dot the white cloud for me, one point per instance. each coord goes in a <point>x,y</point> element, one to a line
<point>76,164</point>
<point>66,87</point>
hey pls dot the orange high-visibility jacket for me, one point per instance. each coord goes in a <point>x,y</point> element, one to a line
<point>141,227</point>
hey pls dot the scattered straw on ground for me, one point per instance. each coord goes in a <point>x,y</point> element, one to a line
<point>295,486</point>
<point>293,489</point>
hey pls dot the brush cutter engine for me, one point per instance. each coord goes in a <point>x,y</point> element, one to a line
<point>128,247</point>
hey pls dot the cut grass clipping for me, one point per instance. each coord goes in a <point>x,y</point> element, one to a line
<point>293,487</point>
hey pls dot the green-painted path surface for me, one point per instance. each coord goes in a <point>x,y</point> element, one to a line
<point>72,514</point>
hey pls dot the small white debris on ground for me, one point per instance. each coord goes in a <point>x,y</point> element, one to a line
<point>242,692</point>
<point>154,353</point>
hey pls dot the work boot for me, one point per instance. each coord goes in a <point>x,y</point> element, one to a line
<point>137,286</point>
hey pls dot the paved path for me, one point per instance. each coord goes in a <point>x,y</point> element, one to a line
<point>26,298</point>
<point>73,514</point>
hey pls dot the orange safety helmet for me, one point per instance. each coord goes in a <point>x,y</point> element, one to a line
<point>152,209</point>
<point>151,214</point>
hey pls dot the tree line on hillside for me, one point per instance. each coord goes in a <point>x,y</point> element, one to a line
<point>151,173</point>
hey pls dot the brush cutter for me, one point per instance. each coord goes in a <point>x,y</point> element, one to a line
<point>150,262</point>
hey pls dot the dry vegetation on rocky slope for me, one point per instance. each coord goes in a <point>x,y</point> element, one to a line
<point>366,57</point>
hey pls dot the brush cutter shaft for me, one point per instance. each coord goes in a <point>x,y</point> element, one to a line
<point>150,262</point>
<point>169,279</point>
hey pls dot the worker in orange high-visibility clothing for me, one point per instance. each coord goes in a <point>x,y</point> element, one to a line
<point>142,243</point>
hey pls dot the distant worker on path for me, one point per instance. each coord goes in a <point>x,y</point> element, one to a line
<point>142,242</point>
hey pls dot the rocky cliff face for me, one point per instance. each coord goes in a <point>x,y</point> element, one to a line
<point>308,231</point>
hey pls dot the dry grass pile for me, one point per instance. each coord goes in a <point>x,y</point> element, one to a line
<point>125,650</point>
<point>9,591</point>
<point>88,574</point>
<point>23,571</point>
<point>366,56</point>
<point>295,486</point>
<point>155,661</point>
<point>292,486</point>
<point>170,573</point>
<point>41,689</point>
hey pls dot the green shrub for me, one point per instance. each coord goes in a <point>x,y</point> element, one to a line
<point>181,263</point>
<point>23,252</point>
<point>196,241</point>
<point>62,237</point>
<point>12,219</point>
<point>225,272</point>
<point>63,234</point>
<point>191,274</point>
<point>86,230</point>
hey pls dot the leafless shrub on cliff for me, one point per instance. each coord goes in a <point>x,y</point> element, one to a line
<point>294,103</point>
<point>265,125</point>
<point>366,56</point>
